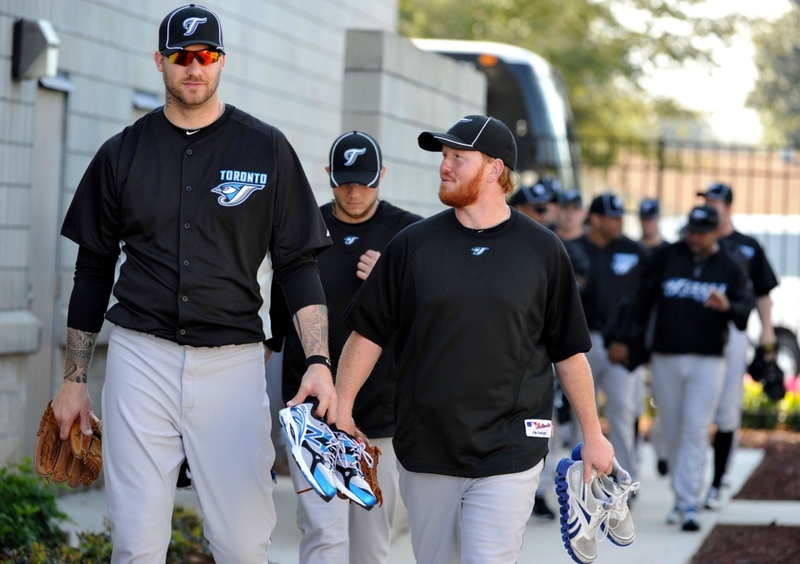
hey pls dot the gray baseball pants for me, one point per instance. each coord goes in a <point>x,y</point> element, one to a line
<point>620,387</point>
<point>686,388</point>
<point>163,402</point>
<point>341,532</point>
<point>468,520</point>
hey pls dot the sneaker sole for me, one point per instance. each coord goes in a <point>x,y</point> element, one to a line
<point>562,489</point>
<point>325,493</point>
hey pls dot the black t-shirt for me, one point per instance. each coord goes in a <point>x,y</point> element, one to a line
<point>478,317</point>
<point>614,273</point>
<point>373,411</point>
<point>201,221</point>
<point>758,268</point>
<point>678,283</point>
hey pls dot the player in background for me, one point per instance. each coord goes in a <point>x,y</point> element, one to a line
<point>481,301</point>
<point>189,195</point>
<point>616,265</point>
<point>728,417</point>
<point>697,288</point>
<point>360,225</point>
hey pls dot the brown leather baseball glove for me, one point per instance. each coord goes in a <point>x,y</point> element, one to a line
<point>369,465</point>
<point>76,461</point>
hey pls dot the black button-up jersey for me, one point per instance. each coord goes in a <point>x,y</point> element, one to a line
<point>201,221</point>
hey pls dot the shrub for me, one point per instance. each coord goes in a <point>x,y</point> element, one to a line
<point>29,513</point>
<point>760,412</point>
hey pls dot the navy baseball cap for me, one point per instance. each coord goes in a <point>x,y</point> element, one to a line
<point>355,157</point>
<point>608,204</point>
<point>649,209</point>
<point>571,198</point>
<point>718,191</point>
<point>486,134</point>
<point>703,219</point>
<point>190,25</point>
<point>543,192</point>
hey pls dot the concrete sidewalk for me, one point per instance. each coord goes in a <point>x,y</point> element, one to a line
<point>655,543</point>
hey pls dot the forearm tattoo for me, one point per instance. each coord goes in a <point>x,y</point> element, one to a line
<point>311,323</point>
<point>80,348</point>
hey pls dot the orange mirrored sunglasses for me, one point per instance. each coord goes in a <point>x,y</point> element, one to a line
<point>184,58</point>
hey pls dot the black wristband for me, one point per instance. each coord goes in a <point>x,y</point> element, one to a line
<point>318,359</point>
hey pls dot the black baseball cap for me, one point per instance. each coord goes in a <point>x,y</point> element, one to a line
<point>488,135</point>
<point>649,209</point>
<point>190,25</point>
<point>571,198</point>
<point>703,219</point>
<point>543,192</point>
<point>355,157</point>
<point>608,204</point>
<point>718,191</point>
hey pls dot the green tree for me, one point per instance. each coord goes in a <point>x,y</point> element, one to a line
<point>601,59</point>
<point>776,95</point>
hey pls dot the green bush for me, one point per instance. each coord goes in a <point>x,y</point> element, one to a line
<point>760,412</point>
<point>29,513</point>
<point>187,545</point>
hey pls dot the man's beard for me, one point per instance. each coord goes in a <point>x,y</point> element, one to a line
<point>173,89</point>
<point>464,195</point>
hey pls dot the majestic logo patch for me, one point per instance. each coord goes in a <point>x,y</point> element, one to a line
<point>234,193</point>
<point>350,239</point>
<point>351,155</point>
<point>542,428</point>
<point>623,263</point>
<point>478,251</point>
<point>692,289</point>
<point>190,24</point>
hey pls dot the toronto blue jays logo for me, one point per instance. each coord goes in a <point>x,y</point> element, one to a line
<point>351,155</point>
<point>350,239</point>
<point>478,251</point>
<point>234,193</point>
<point>623,263</point>
<point>190,24</point>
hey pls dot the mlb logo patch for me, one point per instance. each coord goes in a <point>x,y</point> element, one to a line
<point>539,428</point>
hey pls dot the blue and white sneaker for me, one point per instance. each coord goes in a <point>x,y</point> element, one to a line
<point>584,509</point>
<point>615,487</point>
<point>313,447</point>
<point>349,477</point>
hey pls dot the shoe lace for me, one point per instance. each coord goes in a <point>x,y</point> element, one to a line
<point>352,459</point>
<point>618,502</point>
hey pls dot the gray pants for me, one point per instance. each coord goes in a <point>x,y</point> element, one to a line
<point>686,388</point>
<point>163,402</point>
<point>728,417</point>
<point>620,387</point>
<point>341,532</point>
<point>468,520</point>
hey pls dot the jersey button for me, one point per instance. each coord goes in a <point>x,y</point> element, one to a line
<point>186,225</point>
<point>182,331</point>
<point>188,188</point>
<point>185,298</point>
<point>186,263</point>
<point>189,152</point>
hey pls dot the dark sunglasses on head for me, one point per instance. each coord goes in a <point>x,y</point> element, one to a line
<point>184,58</point>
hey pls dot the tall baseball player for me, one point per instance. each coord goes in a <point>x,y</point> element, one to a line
<point>616,263</point>
<point>697,287</point>
<point>360,226</point>
<point>206,204</point>
<point>728,417</point>
<point>481,300</point>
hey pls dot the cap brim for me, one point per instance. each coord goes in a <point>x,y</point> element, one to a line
<point>431,141</point>
<point>184,45</point>
<point>699,229</point>
<point>370,179</point>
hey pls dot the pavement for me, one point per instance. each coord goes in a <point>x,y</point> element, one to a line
<point>655,543</point>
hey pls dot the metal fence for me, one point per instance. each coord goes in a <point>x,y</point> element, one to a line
<point>765,182</point>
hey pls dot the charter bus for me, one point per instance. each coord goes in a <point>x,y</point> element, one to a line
<point>528,95</point>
